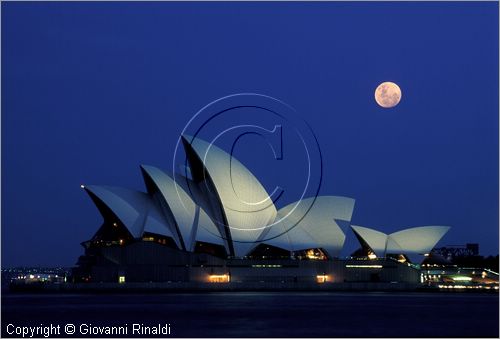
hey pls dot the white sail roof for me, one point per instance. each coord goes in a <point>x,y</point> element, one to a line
<point>129,206</point>
<point>420,240</point>
<point>179,204</point>
<point>207,231</point>
<point>375,239</point>
<point>156,222</point>
<point>193,222</point>
<point>415,240</point>
<point>247,207</point>
<point>311,224</point>
<point>228,206</point>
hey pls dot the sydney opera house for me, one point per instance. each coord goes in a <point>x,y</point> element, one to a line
<point>215,223</point>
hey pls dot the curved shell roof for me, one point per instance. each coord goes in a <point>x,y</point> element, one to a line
<point>415,240</point>
<point>139,213</point>
<point>298,228</point>
<point>180,207</point>
<point>228,206</point>
<point>207,231</point>
<point>375,239</point>
<point>131,207</point>
<point>247,207</point>
<point>419,240</point>
<point>156,222</point>
<point>193,222</point>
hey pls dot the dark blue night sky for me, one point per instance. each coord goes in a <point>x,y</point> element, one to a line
<point>92,90</point>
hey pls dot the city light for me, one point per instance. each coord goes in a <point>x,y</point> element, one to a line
<point>322,278</point>
<point>315,255</point>
<point>462,278</point>
<point>219,278</point>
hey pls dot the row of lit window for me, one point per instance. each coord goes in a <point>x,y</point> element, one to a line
<point>225,278</point>
<point>469,286</point>
<point>364,266</point>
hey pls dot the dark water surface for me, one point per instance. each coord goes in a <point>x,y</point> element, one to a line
<point>266,314</point>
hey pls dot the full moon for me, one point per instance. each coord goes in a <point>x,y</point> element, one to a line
<point>388,94</point>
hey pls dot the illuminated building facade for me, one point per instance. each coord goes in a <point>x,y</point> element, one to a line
<point>198,227</point>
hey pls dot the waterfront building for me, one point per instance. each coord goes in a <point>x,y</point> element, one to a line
<point>216,223</point>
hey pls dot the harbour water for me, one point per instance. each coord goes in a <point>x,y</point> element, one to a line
<point>259,314</point>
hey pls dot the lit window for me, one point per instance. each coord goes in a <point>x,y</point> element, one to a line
<point>462,278</point>
<point>315,254</point>
<point>219,278</point>
<point>121,279</point>
<point>322,278</point>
